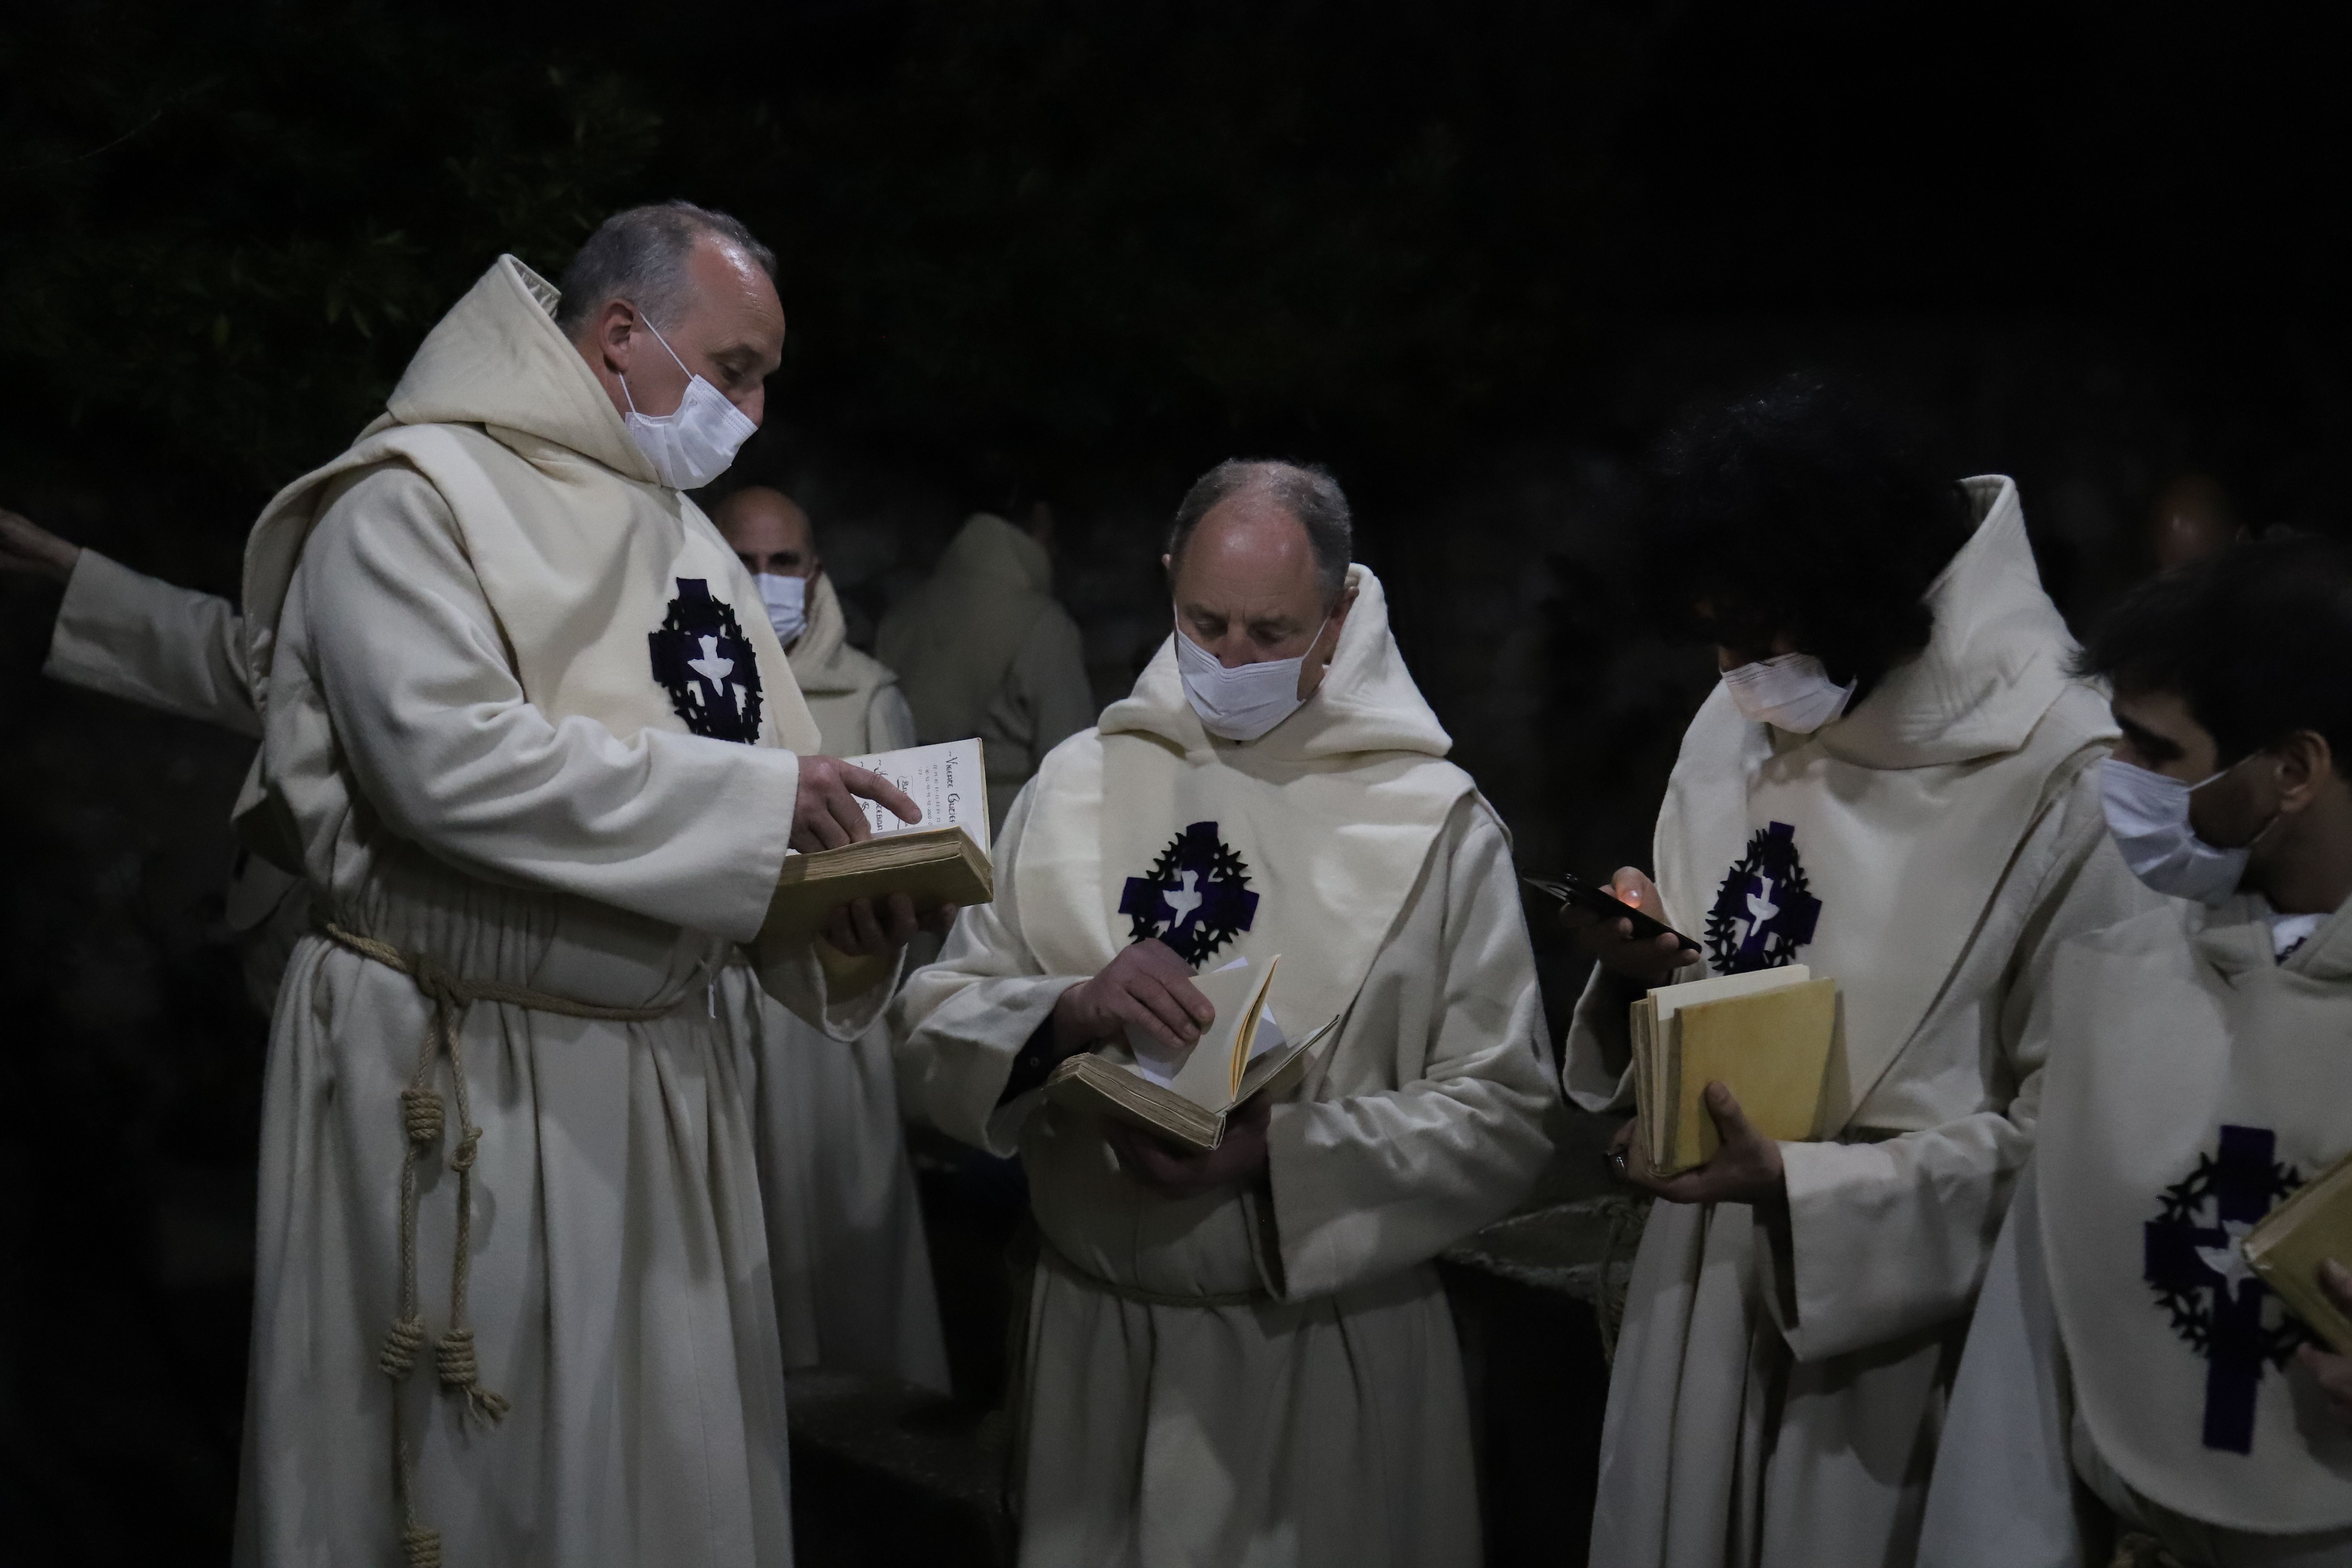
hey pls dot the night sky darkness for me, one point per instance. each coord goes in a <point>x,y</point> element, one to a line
<point>1470,255</point>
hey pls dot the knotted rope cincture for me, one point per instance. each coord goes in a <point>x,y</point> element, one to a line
<point>423,1124</point>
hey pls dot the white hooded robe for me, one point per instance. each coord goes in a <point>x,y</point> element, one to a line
<point>1267,1376</point>
<point>470,638</point>
<point>1784,1411</point>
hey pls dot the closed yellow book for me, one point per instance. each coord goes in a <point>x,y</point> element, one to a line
<point>1769,1037</point>
<point>2295,1238</point>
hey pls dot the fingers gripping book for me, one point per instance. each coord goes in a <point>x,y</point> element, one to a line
<point>942,859</point>
<point>1187,1097</point>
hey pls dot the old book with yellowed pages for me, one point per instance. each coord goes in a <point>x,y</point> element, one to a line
<point>1769,1035</point>
<point>2294,1239</point>
<point>942,859</point>
<point>1189,1095</point>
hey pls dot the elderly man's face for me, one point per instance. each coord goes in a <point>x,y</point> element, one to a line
<point>1246,590</point>
<point>730,333</point>
<point>769,532</point>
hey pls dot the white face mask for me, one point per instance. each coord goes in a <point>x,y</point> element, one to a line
<point>2149,814</point>
<point>787,602</point>
<point>1245,701</point>
<point>693,446</point>
<point>1792,693</point>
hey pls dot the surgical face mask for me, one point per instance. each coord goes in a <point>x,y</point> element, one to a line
<point>1245,701</point>
<point>1792,693</point>
<point>693,446</point>
<point>787,602</point>
<point>2149,814</point>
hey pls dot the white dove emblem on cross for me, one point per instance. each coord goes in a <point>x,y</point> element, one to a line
<point>713,668</point>
<point>1183,902</point>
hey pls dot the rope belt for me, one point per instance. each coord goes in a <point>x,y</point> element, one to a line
<point>422,1122</point>
<point>1060,1263</point>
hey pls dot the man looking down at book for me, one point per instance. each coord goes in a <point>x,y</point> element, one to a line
<point>1895,786</point>
<point>2129,1369</point>
<point>540,756</point>
<point>846,1249</point>
<point>1245,1356</point>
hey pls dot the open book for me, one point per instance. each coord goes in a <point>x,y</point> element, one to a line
<point>941,860</point>
<point>1187,1097</point>
<point>2287,1248</point>
<point>1768,1036</point>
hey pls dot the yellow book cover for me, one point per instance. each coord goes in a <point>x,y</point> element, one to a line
<point>2292,1241</point>
<point>1771,1049</point>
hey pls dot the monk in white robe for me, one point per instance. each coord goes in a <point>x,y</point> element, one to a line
<point>1795,1309</point>
<point>984,648</point>
<point>540,757</point>
<point>846,1247</point>
<point>2126,1371</point>
<point>181,652</point>
<point>1245,1356</point>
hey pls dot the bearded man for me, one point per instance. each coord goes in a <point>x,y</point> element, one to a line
<point>846,1247</point>
<point>541,758</point>
<point>1895,785</point>
<point>1245,1356</point>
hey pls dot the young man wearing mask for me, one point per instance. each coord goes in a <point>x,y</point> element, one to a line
<point>1896,785</point>
<point>846,1248</point>
<point>1245,1356</point>
<point>2126,1371</point>
<point>540,769</point>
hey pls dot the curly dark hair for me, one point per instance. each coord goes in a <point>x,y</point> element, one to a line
<point>1803,512</point>
<point>2256,640</point>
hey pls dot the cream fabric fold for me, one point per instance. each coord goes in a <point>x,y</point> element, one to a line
<point>2168,1029</point>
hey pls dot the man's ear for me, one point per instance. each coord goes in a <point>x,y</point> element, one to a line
<point>2306,765</point>
<point>1346,602</point>
<point>615,328</point>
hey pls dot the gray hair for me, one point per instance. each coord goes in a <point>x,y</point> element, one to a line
<point>1305,491</point>
<point>640,256</point>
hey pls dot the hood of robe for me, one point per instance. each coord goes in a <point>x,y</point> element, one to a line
<point>1992,666</point>
<point>1368,701</point>
<point>989,548</point>
<point>499,360</point>
<point>817,654</point>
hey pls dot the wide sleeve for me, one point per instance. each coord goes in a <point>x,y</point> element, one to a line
<point>136,637</point>
<point>889,722</point>
<point>1048,680</point>
<point>1890,1237</point>
<point>2003,1491</point>
<point>439,736</point>
<point>961,1022</point>
<point>1367,1184</point>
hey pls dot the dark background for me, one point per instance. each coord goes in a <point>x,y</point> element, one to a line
<point>1470,255</point>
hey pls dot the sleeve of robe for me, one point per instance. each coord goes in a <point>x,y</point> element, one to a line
<point>1892,1237</point>
<point>889,722</point>
<point>1365,1185</point>
<point>133,637</point>
<point>963,1020</point>
<point>437,732</point>
<point>1048,679</point>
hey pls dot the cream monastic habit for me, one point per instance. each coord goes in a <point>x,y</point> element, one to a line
<point>2121,1344</point>
<point>1778,1404</point>
<point>845,1245</point>
<point>983,649</point>
<point>1266,1375</point>
<point>537,765</point>
<point>141,639</point>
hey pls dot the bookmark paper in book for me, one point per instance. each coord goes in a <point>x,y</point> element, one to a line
<point>949,782</point>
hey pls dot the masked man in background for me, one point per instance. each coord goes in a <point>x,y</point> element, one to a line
<point>2126,1371</point>
<point>540,756</point>
<point>852,1276</point>
<point>1895,785</point>
<point>984,649</point>
<point>1245,1356</point>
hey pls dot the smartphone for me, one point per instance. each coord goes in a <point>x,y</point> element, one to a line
<point>1573,890</point>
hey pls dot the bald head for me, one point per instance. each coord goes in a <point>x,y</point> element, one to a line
<point>1249,583</point>
<point>768,530</point>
